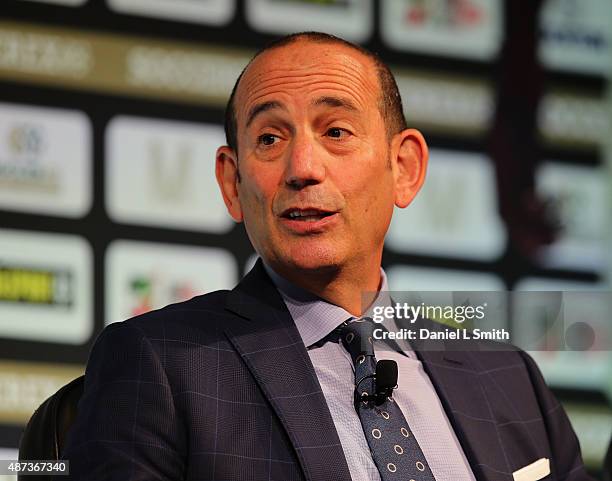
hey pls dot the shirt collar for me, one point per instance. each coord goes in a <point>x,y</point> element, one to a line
<point>315,317</point>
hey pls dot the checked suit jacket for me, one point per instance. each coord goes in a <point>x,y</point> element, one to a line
<point>221,387</point>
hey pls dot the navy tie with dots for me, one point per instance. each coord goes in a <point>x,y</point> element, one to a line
<point>394,448</point>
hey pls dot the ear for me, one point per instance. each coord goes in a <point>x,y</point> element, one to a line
<point>226,171</point>
<point>409,160</point>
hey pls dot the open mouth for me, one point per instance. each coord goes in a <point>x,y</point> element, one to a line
<point>306,215</point>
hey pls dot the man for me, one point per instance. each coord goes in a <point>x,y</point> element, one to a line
<point>250,384</point>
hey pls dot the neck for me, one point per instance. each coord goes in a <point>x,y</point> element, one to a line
<point>351,289</point>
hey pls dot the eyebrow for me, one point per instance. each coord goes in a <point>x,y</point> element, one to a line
<point>337,102</point>
<point>261,108</point>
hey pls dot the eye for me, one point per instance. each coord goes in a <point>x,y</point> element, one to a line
<point>336,133</point>
<point>267,139</point>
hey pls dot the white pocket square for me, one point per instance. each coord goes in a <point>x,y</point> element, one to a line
<point>534,471</point>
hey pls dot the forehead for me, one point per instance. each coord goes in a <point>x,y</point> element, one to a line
<point>307,68</point>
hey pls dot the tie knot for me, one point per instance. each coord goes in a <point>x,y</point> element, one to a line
<point>357,338</point>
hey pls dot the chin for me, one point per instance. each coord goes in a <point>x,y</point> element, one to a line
<point>313,258</point>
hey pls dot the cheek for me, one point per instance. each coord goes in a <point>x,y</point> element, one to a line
<point>256,191</point>
<point>372,184</point>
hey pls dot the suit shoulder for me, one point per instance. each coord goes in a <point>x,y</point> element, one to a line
<point>201,313</point>
<point>488,356</point>
<point>206,302</point>
<point>485,354</point>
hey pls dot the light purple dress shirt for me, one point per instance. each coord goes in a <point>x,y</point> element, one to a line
<point>315,318</point>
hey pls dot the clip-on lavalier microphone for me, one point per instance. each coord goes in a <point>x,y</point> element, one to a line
<point>385,382</point>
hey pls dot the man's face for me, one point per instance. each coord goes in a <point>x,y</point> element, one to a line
<point>317,185</point>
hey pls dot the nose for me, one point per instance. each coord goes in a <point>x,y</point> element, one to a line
<point>304,165</point>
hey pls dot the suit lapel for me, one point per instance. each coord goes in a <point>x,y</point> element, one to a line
<point>271,347</point>
<point>457,386</point>
<point>463,396</point>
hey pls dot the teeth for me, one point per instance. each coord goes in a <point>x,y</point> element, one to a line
<point>304,213</point>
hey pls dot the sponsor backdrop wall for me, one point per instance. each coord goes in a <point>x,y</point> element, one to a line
<point>110,114</point>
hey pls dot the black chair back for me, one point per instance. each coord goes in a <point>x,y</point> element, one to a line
<point>45,434</point>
